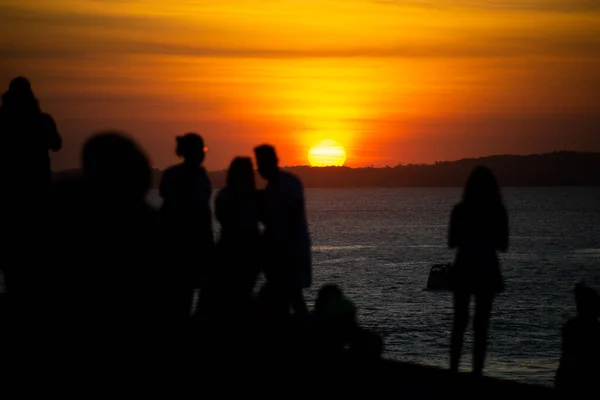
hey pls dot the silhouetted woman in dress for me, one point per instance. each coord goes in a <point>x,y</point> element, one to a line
<point>187,222</point>
<point>236,208</point>
<point>478,229</point>
<point>226,303</point>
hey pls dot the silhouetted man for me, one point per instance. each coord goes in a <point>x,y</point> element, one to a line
<point>286,234</point>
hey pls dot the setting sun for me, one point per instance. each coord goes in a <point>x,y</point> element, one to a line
<point>327,153</point>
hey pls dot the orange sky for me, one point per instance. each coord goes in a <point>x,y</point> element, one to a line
<point>392,81</point>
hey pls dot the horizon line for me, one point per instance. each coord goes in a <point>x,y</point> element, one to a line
<point>392,166</point>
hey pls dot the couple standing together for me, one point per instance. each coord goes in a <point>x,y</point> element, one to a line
<point>282,251</point>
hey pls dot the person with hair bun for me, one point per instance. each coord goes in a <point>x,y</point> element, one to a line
<point>186,221</point>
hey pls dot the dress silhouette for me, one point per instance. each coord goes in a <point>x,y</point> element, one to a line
<point>478,229</point>
<point>236,208</point>
<point>186,220</point>
<point>286,237</point>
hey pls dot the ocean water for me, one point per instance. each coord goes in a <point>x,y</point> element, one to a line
<point>379,244</point>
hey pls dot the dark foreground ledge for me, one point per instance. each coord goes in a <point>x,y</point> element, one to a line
<point>417,381</point>
<point>385,378</point>
<point>261,378</point>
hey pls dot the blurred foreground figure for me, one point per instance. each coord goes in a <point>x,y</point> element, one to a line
<point>335,328</point>
<point>99,314</point>
<point>108,282</point>
<point>579,368</point>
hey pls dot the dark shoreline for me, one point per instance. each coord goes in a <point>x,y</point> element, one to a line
<point>564,168</point>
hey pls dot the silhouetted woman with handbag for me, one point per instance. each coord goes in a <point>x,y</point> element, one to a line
<point>478,229</point>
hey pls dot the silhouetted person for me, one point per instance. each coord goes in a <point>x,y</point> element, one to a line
<point>333,321</point>
<point>236,208</point>
<point>287,239</point>
<point>110,271</point>
<point>26,135</point>
<point>123,285</point>
<point>100,305</point>
<point>579,367</point>
<point>335,327</point>
<point>478,229</point>
<point>187,221</point>
<point>327,294</point>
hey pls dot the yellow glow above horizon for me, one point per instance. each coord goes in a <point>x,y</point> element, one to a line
<point>327,153</point>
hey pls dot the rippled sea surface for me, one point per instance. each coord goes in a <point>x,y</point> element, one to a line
<point>378,245</point>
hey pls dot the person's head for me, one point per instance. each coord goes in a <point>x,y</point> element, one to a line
<point>326,295</point>
<point>191,148</point>
<point>334,308</point>
<point>267,161</point>
<point>240,177</point>
<point>20,95</point>
<point>482,188</point>
<point>20,86</point>
<point>346,313</point>
<point>115,167</point>
<point>587,301</point>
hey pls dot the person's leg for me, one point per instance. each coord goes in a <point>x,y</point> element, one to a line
<point>481,323</point>
<point>461,318</point>
<point>297,302</point>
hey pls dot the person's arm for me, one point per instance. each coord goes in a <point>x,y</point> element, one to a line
<point>54,139</point>
<point>296,209</point>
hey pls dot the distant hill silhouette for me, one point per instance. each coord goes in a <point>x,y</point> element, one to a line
<point>562,168</point>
